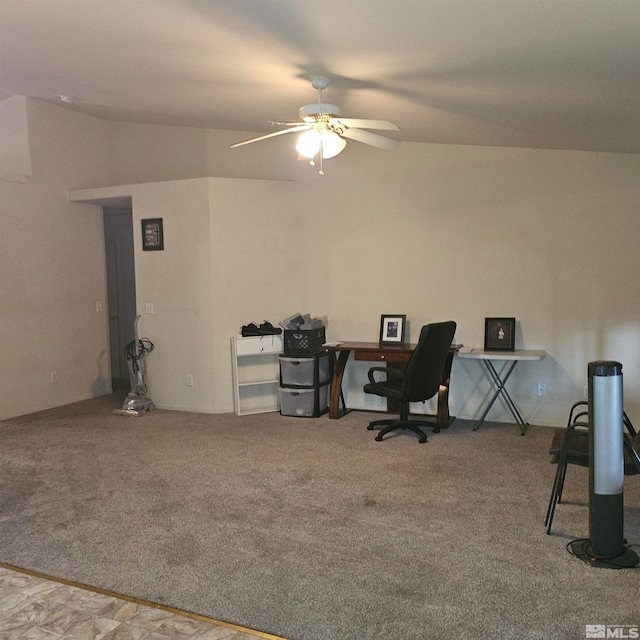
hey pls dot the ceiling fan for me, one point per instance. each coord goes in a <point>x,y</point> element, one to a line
<point>323,129</point>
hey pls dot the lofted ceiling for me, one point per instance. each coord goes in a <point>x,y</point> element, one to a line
<point>556,74</point>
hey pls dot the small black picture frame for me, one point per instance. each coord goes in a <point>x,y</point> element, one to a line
<point>499,334</point>
<point>152,235</point>
<point>392,328</point>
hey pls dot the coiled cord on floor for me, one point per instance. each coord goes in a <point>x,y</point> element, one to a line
<point>587,556</point>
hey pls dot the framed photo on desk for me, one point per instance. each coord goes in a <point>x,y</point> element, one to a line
<point>392,329</point>
<point>499,334</point>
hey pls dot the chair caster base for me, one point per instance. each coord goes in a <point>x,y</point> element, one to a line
<point>379,439</point>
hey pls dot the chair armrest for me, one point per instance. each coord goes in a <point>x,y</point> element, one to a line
<point>575,406</point>
<point>574,417</point>
<point>390,372</point>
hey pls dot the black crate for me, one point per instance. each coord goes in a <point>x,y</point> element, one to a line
<point>303,342</point>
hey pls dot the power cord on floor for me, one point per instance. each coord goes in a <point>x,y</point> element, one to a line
<point>581,549</point>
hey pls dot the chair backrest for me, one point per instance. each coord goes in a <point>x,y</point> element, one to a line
<point>423,372</point>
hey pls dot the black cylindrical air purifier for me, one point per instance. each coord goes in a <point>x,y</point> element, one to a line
<point>606,544</point>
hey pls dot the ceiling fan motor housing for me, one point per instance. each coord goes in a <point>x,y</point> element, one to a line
<point>319,109</point>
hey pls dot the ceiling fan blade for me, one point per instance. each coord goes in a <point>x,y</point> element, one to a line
<point>367,124</point>
<point>372,139</point>
<point>300,127</point>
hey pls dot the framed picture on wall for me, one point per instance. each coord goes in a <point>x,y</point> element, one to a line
<point>499,334</point>
<point>152,235</point>
<point>392,329</point>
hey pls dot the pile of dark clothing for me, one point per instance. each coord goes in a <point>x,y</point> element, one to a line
<point>265,329</point>
<point>296,322</point>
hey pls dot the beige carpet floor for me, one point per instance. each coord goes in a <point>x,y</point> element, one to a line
<point>308,528</point>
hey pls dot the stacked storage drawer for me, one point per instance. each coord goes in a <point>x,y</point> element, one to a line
<point>304,384</point>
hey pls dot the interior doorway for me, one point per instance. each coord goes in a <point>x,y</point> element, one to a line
<point>121,288</point>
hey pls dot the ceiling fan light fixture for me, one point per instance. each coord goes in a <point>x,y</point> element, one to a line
<point>332,144</point>
<point>310,142</point>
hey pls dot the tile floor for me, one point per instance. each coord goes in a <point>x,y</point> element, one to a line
<point>33,607</point>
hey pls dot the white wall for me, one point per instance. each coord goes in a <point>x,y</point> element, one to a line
<point>149,153</point>
<point>177,281</point>
<point>433,231</point>
<point>226,262</point>
<point>52,268</point>
<point>233,254</point>
<point>260,267</point>
<point>15,152</point>
<point>460,232</point>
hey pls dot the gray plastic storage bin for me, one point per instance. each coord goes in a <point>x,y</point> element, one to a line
<point>300,371</point>
<point>307,403</point>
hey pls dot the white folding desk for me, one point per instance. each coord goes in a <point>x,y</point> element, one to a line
<point>500,380</point>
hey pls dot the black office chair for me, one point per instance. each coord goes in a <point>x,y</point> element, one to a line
<point>571,446</point>
<point>419,381</point>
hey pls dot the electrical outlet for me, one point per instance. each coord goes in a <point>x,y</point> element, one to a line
<point>148,307</point>
<point>99,306</point>
<point>54,377</point>
<point>189,381</point>
<point>542,389</point>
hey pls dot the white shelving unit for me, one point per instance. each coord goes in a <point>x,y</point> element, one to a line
<point>256,374</point>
